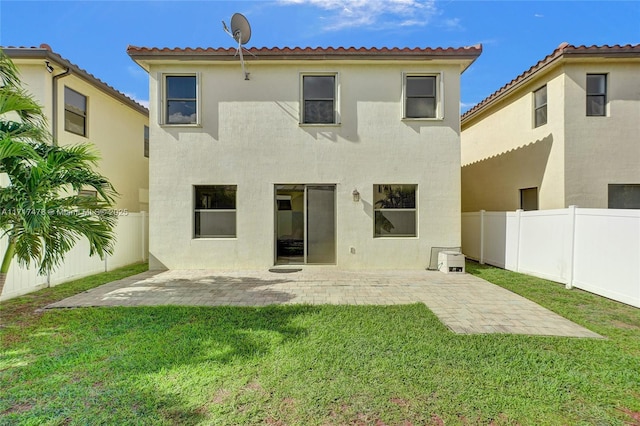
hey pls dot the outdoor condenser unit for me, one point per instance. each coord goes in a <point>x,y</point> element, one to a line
<point>451,262</point>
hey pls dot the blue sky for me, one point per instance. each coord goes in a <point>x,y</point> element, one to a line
<point>515,34</point>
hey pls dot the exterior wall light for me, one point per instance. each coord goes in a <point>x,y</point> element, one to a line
<point>356,196</point>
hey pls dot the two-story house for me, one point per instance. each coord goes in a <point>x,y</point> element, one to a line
<point>565,132</point>
<point>338,156</point>
<point>81,108</point>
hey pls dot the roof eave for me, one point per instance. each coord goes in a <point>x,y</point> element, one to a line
<point>142,56</point>
<point>564,52</point>
<point>46,54</point>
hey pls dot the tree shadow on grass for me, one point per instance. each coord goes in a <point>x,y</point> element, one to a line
<point>144,360</point>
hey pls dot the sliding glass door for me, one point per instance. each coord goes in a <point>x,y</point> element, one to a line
<point>305,231</point>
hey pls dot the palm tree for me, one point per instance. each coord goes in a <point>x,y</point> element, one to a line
<point>41,212</point>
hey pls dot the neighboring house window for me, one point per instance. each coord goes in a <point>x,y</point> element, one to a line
<point>624,196</point>
<point>146,141</point>
<point>529,199</point>
<point>319,99</point>
<point>75,112</point>
<point>596,94</point>
<point>421,96</point>
<point>540,106</point>
<point>395,210</point>
<point>181,99</point>
<point>92,193</point>
<point>215,211</point>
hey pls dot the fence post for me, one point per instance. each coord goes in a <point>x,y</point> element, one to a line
<point>571,244</point>
<point>518,220</point>
<point>143,222</point>
<point>482,237</point>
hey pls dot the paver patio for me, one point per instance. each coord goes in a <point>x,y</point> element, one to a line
<point>464,303</point>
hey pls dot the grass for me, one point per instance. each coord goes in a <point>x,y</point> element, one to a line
<point>315,365</point>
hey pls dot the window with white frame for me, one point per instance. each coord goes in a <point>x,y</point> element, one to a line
<point>319,99</point>
<point>540,106</point>
<point>215,211</point>
<point>181,100</point>
<point>421,96</point>
<point>596,94</point>
<point>395,210</point>
<point>146,141</point>
<point>75,112</point>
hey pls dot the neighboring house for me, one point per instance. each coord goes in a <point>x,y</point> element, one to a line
<point>81,108</point>
<point>565,132</point>
<point>347,157</point>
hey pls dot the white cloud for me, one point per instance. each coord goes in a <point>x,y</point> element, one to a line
<point>379,13</point>
<point>179,118</point>
<point>538,15</point>
<point>464,106</point>
<point>451,24</point>
<point>143,102</point>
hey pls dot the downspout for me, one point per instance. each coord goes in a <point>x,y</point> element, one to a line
<point>54,110</point>
<point>54,124</point>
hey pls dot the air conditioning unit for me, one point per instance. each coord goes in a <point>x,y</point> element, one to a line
<point>450,262</point>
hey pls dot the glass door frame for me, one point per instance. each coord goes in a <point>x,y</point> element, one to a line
<point>306,186</point>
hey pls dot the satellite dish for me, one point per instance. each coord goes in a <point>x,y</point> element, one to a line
<point>241,32</point>
<point>240,28</point>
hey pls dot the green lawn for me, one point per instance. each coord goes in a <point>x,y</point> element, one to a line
<point>308,365</point>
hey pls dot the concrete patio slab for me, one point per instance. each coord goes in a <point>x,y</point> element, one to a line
<point>464,303</point>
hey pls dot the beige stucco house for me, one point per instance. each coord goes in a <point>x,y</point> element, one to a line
<point>81,108</point>
<point>323,156</point>
<point>565,132</point>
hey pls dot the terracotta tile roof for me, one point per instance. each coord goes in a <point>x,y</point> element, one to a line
<point>283,53</point>
<point>44,51</point>
<point>564,50</point>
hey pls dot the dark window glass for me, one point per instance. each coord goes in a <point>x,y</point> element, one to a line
<point>596,94</point>
<point>215,211</point>
<point>319,99</point>
<point>181,87</point>
<point>75,112</point>
<point>216,197</point>
<point>540,104</point>
<point>181,100</point>
<point>421,97</point>
<point>146,141</point>
<point>624,196</point>
<point>529,199</point>
<point>395,210</point>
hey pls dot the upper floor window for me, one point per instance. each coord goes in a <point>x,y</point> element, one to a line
<point>146,141</point>
<point>319,94</point>
<point>75,112</point>
<point>421,96</point>
<point>540,106</point>
<point>181,101</point>
<point>596,94</point>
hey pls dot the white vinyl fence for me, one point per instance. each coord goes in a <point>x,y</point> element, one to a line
<point>597,250</point>
<point>131,246</point>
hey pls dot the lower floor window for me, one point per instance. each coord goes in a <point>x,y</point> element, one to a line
<point>394,210</point>
<point>529,199</point>
<point>215,211</point>
<point>624,196</point>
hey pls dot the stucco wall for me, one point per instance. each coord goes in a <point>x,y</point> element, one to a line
<point>602,150</point>
<point>502,151</point>
<point>114,128</point>
<point>250,137</point>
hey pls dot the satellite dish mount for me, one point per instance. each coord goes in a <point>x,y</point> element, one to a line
<point>240,32</point>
